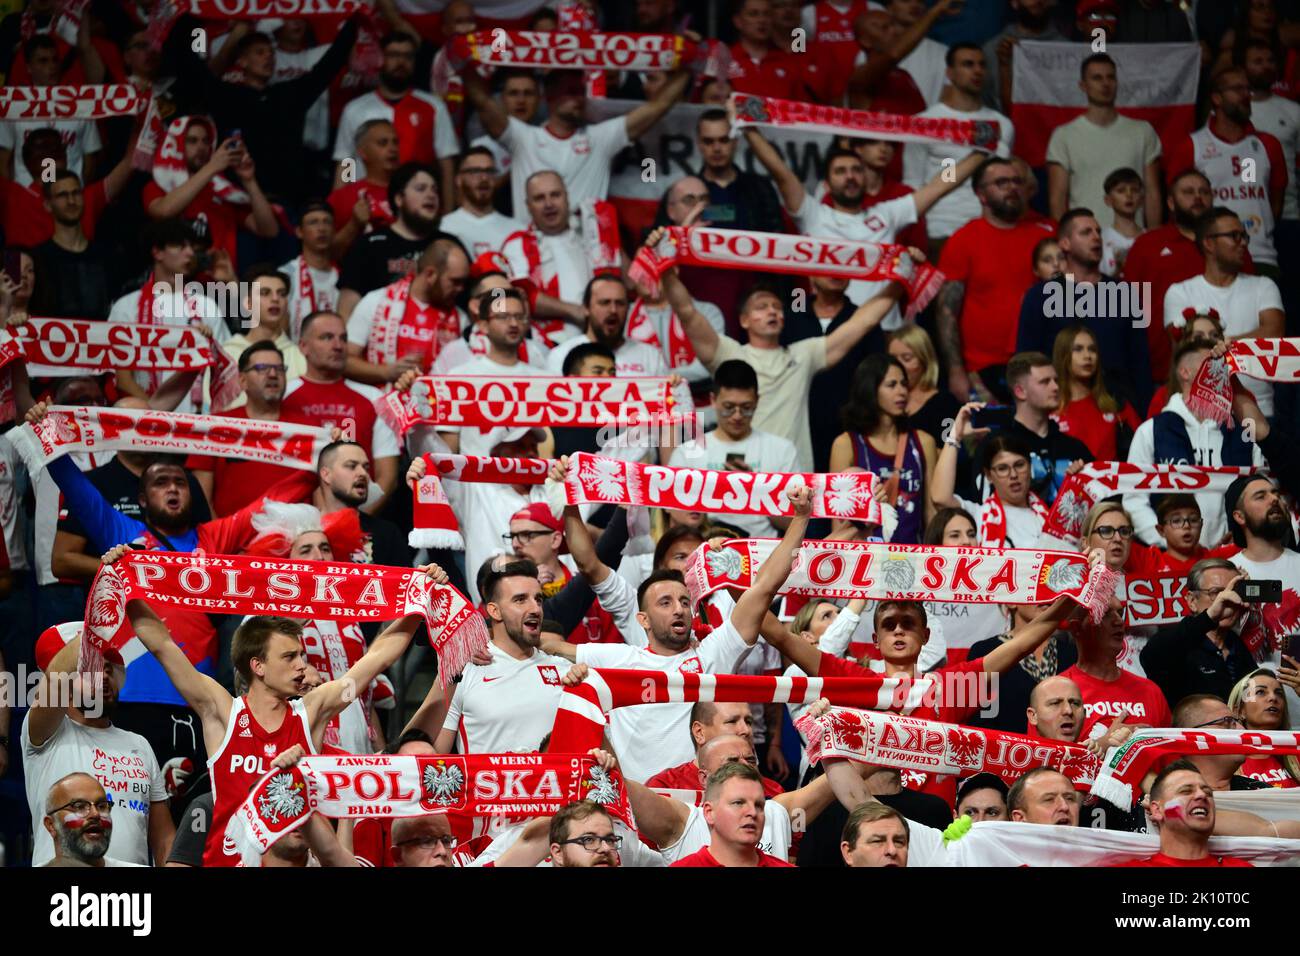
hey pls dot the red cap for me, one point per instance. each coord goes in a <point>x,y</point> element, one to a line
<point>489,262</point>
<point>540,512</point>
<point>54,639</point>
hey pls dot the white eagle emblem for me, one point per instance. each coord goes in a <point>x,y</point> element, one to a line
<point>898,574</point>
<point>725,563</point>
<point>106,606</point>
<point>282,799</point>
<point>421,398</point>
<point>1065,575</point>
<point>1073,510</point>
<point>443,784</point>
<point>603,477</point>
<point>846,493</point>
<point>1217,375</point>
<point>56,429</point>
<point>603,789</point>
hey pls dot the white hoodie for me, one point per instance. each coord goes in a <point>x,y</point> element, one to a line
<point>1207,443</point>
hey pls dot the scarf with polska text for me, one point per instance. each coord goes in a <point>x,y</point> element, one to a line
<point>849,496</point>
<point>165,13</point>
<point>223,384</point>
<point>584,708</point>
<point>486,401</point>
<point>1103,479</point>
<point>88,102</point>
<point>381,347</point>
<point>751,251</point>
<point>1270,360</point>
<point>54,348</point>
<point>481,468</point>
<point>1120,778</point>
<point>510,786</point>
<point>875,571</point>
<point>236,584</point>
<point>80,428</point>
<point>754,110</point>
<point>930,746</point>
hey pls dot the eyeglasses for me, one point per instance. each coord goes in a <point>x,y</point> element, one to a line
<point>102,807</point>
<point>430,842</point>
<point>1107,532</point>
<point>590,842</point>
<point>1227,723</point>
<point>262,368</point>
<point>524,537</point>
<point>1181,522</point>
<point>1006,469</point>
<point>1237,235</point>
<point>726,410</point>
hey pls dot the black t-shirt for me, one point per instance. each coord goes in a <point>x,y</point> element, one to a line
<point>381,258</point>
<point>820,845</point>
<point>1052,455</point>
<point>121,489</point>
<point>71,285</point>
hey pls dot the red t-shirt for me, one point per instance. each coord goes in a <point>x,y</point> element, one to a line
<point>1095,428</point>
<point>1268,770</point>
<point>702,857</point>
<point>835,43</point>
<point>1144,560</point>
<point>237,482</point>
<point>1161,860</point>
<point>686,776</point>
<point>996,266</point>
<point>1138,697</point>
<point>345,197</point>
<point>26,221</point>
<point>775,75</point>
<point>219,220</point>
<point>327,404</point>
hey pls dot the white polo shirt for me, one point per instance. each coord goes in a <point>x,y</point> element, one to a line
<point>508,706</point>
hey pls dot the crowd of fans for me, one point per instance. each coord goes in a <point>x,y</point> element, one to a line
<point>324,180</point>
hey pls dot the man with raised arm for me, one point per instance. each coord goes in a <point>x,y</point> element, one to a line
<point>243,734</point>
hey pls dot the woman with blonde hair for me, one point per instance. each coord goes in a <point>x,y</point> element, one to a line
<point>928,405</point>
<point>1088,411</point>
<point>1259,700</point>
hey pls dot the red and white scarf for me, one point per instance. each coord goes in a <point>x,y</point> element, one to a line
<point>593,478</point>
<point>309,300</point>
<point>235,584</point>
<point>639,328</point>
<point>54,348</point>
<point>750,251</point>
<point>1270,360</point>
<point>1120,777</point>
<point>815,118</point>
<point>1104,479</point>
<point>486,401</point>
<point>993,519</point>
<point>584,708</point>
<point>70,102</point>
<point>170,171</point>
<point>69,429</point>
<point>65,23</point>
<point>875,571</point>
<point>510,786</point>
<point>1154,601</point>
<point>165,13</point>
<point>929,746</point>
<point>481,468</point>
<point>396,305</point>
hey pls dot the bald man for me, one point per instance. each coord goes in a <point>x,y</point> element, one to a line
<point>710,720</point>
<point>78,818</point>
<point>550,257</point>
<point>422,841</point>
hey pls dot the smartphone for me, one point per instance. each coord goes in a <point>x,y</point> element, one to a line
<point>1291,646</point>
<point>236,139</point>
<point>1259,592</point>
<point>13,266</point>
<point>735,459</point>
<point>992,416</point>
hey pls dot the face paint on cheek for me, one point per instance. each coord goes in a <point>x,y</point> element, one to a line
<point>1174,809</point>
<point>75,821</point>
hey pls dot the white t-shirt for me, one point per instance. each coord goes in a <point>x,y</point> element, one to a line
<point>649,737</point>
<point>777,834</point>
<point>508,706</point>
<point>761,451</point>
<point>1281,117</point>
<point>174,311</point>
<point>325,289</point>
<point>80,138</point>
<point>1238,305</point>
<point>122,762</point>
<point>563,257</point>
<point>372,106</point>
<point>362,319</point>
<point>1090,153</point>
<point>459,351</point>
<point>631,359</point>
<point>923,162</point>
<point>479,234</point>
<point>1023,524</point>
<point>582,160</point>
<point>880,224</point>
<point>1114,247</point>
<point>927,66</point>
<point>13,517</point>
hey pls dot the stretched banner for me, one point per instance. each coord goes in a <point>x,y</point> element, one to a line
<point>356,787</point>
<point>807,117</point>
<point>235,584</point>
<point>909,572</point>
<point>929,746</point>
<point>600,480</point>
<point>481,468</point>
<point>1154,601</point>
<point>82,428</point>
<point>71,102</point>
<point>1157,83</point>
<point>486,401</point>
<point>570,50</point>
<point>67,347</point>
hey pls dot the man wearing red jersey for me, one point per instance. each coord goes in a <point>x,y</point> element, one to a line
<point>757,65</point>
<point>734,810</point>
<point>362,205</point>
<point>709,720</point>
<point>1181,807</point>
<point>243,734</point>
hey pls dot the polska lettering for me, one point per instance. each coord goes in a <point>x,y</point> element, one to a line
<point>622,51</point>
<point>61,347</point>
<point>70,102</point>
